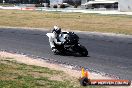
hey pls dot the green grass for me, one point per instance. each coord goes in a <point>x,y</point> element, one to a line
<point>18,75</point>
<point>121,24</point>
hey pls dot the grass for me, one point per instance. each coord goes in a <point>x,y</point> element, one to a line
<point>6,4</point>
<point>121,24</point>
<point>18,75</point>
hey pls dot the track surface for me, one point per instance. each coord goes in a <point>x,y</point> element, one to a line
<point>111,57</point>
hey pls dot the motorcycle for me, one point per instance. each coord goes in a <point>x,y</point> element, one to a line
<point>71,44</point>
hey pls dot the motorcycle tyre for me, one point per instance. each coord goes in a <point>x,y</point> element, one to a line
<point>83,51</point>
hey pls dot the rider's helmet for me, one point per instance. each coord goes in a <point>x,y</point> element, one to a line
<point>56,30</point>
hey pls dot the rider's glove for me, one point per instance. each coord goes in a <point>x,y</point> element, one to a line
<point>54,49</point>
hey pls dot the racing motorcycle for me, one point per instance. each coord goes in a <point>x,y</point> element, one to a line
<point>71,44</point>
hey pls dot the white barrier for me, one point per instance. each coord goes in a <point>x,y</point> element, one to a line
<point>68,10</point>
<point>9,8</point>
<point>125,5</point>
<point>18,8</point>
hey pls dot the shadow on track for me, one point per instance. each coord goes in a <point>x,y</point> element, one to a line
<point>71,54</point>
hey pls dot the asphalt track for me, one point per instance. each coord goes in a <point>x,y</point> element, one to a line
<point>113,57</point>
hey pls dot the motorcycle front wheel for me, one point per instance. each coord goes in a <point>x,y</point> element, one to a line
<point>83,51</point>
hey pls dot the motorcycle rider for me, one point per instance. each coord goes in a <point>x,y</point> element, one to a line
<point>65,43</point>
<point>54,39</point>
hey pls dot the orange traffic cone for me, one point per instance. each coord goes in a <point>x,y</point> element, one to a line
<point>86,74</point>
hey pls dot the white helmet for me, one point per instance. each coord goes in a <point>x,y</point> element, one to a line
<point>56,27</point>
<point>56,30</point>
